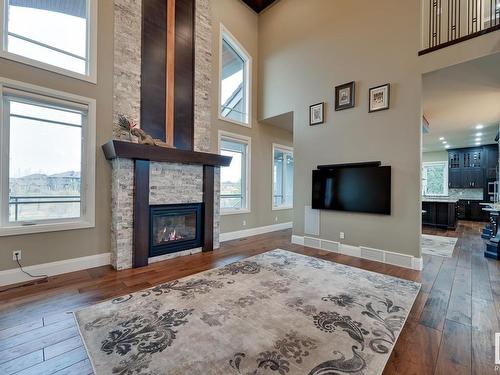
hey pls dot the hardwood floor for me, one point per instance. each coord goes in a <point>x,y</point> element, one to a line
<point>450,329</point>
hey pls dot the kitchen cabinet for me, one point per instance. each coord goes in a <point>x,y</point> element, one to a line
<point>439,214</point>
<point>428,214</point>
<point>455,178</point>
<point>469,209</point>
<point>491,159</point>
<point>473,158</point>
<point>466,168</point>
<point>472,178</point>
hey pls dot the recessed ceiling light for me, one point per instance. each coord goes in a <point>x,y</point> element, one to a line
<point>478,139</point>
<point>478,143</point>
<point>479,126</point>
<point>447,146</point>
<point>441,138</point>
<point>479,134</point>
<point>444,142</point>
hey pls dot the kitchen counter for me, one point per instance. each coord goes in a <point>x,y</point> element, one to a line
<point>439,212</point>
<point>439,200</point>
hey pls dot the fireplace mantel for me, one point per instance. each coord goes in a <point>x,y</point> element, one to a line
<point>142,156</point>
<point>129,150</point>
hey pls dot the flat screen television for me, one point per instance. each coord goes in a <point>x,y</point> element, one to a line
<point>353,189</point>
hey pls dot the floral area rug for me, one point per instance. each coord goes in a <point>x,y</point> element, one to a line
<point>438,245</point>
<point>277,313</point>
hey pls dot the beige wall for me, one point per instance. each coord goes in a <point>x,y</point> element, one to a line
<point>54,246</point>
<point>49,247</point>
<point>435,156</point>
<point>242,23</point>
<point>308,47</point>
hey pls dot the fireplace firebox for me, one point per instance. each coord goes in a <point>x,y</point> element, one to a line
<point>175,227</point>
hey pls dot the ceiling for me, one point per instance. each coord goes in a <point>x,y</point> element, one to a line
<point>459,98</point>
<point>258,5</point>
<point>77,8</point>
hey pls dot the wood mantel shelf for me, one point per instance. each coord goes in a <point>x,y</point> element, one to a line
<point>129,150</point>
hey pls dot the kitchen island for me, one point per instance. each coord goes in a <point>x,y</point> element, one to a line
<point>439,212</point>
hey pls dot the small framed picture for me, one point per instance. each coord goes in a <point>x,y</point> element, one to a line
<point>345,96</point>
<point>317,114</point>
<point>379,98</point>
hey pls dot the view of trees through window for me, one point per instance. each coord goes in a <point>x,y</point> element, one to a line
<point>283,178</point>
<point>233,178</point>
<point>435,177</point>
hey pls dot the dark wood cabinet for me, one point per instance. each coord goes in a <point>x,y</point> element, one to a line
<point>428,214</point>
<point>455,178</point>
<point>466,168</point>
<point>468,209</point>
<point>491,158</point>
<point>472,178</point>
<point>472,158</point>
<point>439,214</point>
<point>476,211</point>
<point>454,160</point>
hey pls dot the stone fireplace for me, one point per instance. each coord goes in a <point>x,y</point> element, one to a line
<point>148,177</point>
<point>174,228</point>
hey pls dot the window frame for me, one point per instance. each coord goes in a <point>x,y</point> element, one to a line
<point>444,163</point>
<point>233,137</point>
<point>87,197</point>
<point>285,150</point>
<point>91,76</point>
<point>225,34</point>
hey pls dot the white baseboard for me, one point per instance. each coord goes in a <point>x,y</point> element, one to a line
<point>223,237</point>
<point>299,240</point>
<point>14,276</point>
<point>377,255</point>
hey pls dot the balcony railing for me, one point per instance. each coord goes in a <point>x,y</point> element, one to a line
<point>447,22</point>
<point>17,202</point>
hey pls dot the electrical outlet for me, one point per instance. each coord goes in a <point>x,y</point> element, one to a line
<point>276,218</point>
<point>244,223</point>
<point>18,253</point>
<point>342,235</point>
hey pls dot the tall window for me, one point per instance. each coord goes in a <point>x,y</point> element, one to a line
<point>282,176</point>
<point>234,179</point>
<point>47,163</point>
<point>435,178</point>
<point>54,35</point>
<point>234,80</point>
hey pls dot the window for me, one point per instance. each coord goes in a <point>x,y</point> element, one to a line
<point>53,35</point>
<point>234,96</point>
<point>47,163</point>
<point>435,178</point>
<point>282,177</point>
<point>234,194</point>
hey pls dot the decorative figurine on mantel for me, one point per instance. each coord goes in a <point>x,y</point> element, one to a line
<point>134,131</point>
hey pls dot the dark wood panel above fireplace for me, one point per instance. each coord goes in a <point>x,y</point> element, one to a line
<point>156,49</point>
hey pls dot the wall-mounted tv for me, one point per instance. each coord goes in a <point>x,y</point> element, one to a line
<point>354,189</point>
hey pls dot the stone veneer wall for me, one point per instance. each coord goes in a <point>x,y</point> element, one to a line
<point>127,68</point>
<point>170,183</point>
